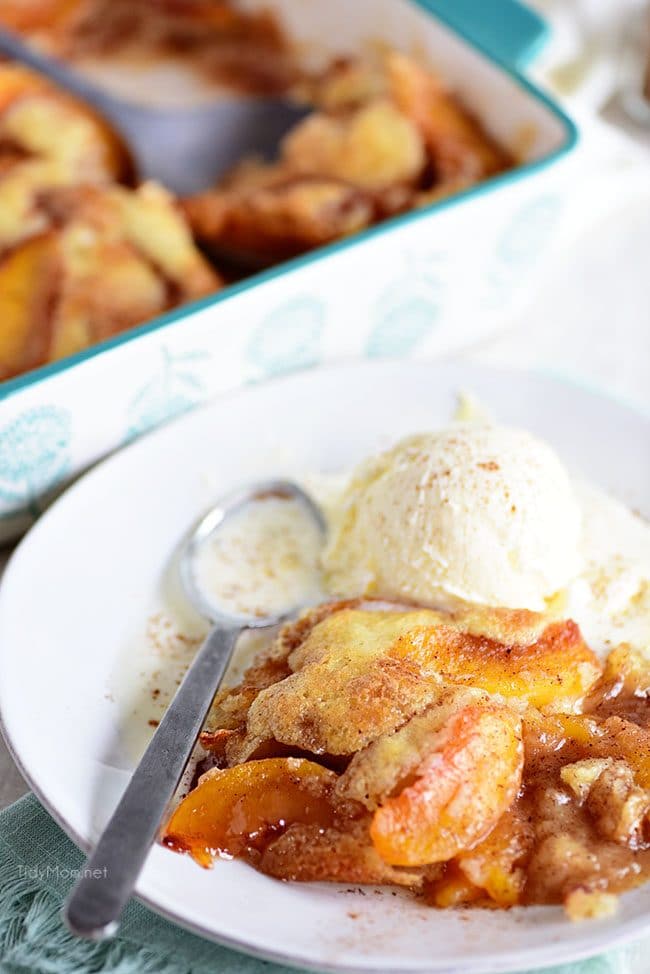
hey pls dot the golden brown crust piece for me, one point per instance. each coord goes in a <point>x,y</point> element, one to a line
<point>346,688</point>
<point>383,667</point>
<point>231,705</point>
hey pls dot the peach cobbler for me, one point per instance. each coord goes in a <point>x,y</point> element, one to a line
<point>469,717</point>
<point>383,134</point>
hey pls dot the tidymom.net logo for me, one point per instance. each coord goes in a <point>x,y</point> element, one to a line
<point>52,871</point>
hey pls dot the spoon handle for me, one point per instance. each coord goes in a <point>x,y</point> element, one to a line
<point>95,904</point>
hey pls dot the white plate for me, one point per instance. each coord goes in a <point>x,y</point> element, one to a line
<point>87,575</point>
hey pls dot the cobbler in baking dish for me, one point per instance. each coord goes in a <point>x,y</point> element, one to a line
<point>85,255</point>
<point>468,717</point>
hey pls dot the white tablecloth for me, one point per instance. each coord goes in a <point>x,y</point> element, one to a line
<point>590,320</point>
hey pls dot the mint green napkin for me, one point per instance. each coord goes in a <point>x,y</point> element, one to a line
<point>37,862</point>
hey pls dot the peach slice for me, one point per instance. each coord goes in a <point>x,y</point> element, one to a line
<point>28,280</point>
<point>457,142</point>
<point>237,810</point>
<point>555,671</point>
<point>459,791</point>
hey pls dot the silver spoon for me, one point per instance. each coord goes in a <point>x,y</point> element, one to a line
<point>186,149</point>
<point>95,904</point>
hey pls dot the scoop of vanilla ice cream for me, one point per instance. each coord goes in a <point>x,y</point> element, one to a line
<point>472,513</point>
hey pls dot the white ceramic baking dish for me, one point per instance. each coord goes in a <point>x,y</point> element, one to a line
<point>424,283</point>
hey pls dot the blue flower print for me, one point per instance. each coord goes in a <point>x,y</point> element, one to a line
<point>34,458</point>
<point>288,337</point>
<point>173,389</point>
<point>408,308</point>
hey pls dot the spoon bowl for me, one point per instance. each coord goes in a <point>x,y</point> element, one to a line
<point>208,526</point>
